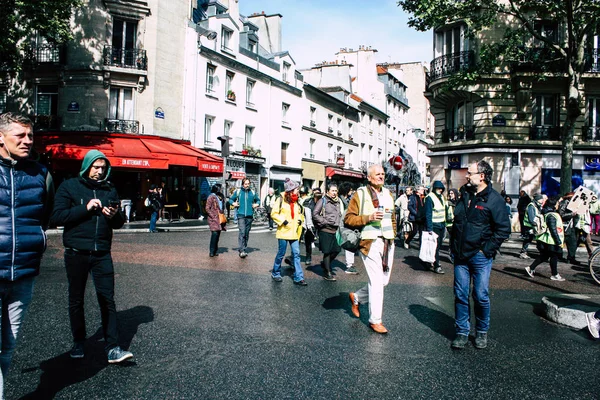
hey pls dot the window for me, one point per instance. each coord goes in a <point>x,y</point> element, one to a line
<point>286,72</point>
<point>311,148</point>
<point>593,116</point>
<point>544,110</point>
<point>284,148</point>
<point>249,89</point>
<point>252,46</point>
<point>120,105</point>
<point>226,36</point>
<point>313,117</point>
<point>330,123</point>
<point>47,100</point>
<point>350,151</point>
<point>330,152</point>
<point>450,41</point>
<point>284,113</point>
<point>210,78</point>
<point>123,42</point>
<point>350,132</point>
<point>229,93</point>
<point>460,116</point>
<point>227,128</point>
<point>248,136</point>
<point>3,96</point>
<point>208,123</point>
<point>339,127</point>
<point>547,29</point>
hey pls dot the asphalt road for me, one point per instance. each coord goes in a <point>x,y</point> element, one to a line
<point>220,328</point>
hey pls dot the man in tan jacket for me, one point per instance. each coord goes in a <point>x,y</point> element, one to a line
<point>372,210</point>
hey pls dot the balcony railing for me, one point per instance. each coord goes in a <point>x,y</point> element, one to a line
<point>460,134</point>
<point>45,122</point>
<point>544,133</point>
<point>363,165</point>
<point>539,59</point>
<point>125,58</point>
<point>47,53</point>
<point>450,64</point>
<point>591,134</point>
<point>121,125</point>
<point>592,61</point>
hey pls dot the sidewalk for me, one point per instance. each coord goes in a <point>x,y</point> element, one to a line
<point>165,226</point>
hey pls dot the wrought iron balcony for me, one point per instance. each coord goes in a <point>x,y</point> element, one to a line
<point>592,61</point>
<point>125,58</point>
<point>47,53</point>
<point>45,122</point>
<point>590,134</point>
<point>121,125</point>
<point>459,134</point>
<point>544,133</point>
<point>450,64</point>
<point>539,59</point>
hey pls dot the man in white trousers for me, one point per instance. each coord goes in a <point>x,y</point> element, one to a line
<point>372,210</point>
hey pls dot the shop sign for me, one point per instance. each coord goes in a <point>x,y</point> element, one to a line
<point>591,163</point>
<point>454,162</point>
<point>341,160</point>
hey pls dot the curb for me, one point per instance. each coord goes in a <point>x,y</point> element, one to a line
<point>570,309</point>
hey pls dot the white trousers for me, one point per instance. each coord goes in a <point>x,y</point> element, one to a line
<point>378,280</point>
<point>349,258</point>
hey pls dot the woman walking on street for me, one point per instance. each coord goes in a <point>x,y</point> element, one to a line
<point>288,216</point>
<point>549,243</point>
<point>327,216</point>
<point>214,207</point>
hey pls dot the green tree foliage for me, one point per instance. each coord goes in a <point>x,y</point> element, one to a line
<point>578,22</point>
<point>22,19</point>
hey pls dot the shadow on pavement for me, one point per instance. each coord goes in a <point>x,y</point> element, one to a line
<point>339,302</point>
<point>63,371</point>
<point>437,321</point>
<point>415,263</point>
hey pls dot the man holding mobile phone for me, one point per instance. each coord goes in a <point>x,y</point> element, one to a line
<point>88,208</point>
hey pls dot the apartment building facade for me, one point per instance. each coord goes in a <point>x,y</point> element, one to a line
<point>517,130</point>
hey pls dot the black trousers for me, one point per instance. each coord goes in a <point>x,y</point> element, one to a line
<point>214,242</point>
<point>100,265</point>
<point>309,239</point>
<point>571,242</point>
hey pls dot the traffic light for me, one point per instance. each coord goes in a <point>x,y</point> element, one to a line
<point>224,145</point>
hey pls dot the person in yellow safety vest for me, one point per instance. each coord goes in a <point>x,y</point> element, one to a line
<point>533,209</point>
<point>436,212</point>
<point>550,243</point>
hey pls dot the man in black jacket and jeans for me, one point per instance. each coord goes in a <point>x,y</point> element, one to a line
<point>88,208</point>
<point>480,226</point>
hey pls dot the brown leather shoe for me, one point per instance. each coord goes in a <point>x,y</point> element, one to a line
<point>379,328</point>
<point>354,303</point>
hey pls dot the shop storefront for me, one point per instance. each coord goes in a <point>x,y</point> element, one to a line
<point>137,161</point>
<point>339,175</point>
<point>278,174</point>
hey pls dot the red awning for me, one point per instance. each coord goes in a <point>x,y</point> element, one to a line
<point>331,171</point>
<point>128,151</point>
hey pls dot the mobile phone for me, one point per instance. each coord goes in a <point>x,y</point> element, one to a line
<point>114,203</point>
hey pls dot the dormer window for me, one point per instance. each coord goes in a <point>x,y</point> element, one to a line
<point>252,46</point>
<point>286,72</point>
<point>226,39</point>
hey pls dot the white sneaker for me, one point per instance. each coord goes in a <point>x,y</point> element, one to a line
<point>524,256</point>
<point>593,325</point>
<point>530,272</point>
<point>557,277</point>
<point>406,246</point>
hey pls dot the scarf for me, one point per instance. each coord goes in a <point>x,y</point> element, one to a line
<point>386,242</point>
<point>292,201</point>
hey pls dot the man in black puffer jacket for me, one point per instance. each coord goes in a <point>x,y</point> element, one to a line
<point>480,226</point>
<point>88,208</point>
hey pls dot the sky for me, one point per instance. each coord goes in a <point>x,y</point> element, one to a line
<point>314,30</point>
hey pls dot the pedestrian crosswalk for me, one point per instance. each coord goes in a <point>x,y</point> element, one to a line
<point>254,230</point>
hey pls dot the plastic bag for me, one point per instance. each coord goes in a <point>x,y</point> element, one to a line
<point>428,246</point>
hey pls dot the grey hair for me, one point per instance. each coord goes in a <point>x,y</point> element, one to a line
<point>486,169</point>
<point>372,167</point>
<point>9,118</point>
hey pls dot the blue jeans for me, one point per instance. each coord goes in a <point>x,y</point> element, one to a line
<point>153,218</point>
<point>478,268</point>
<point>14,300</point>
<point>244,226</point>
<point>295,245</point>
